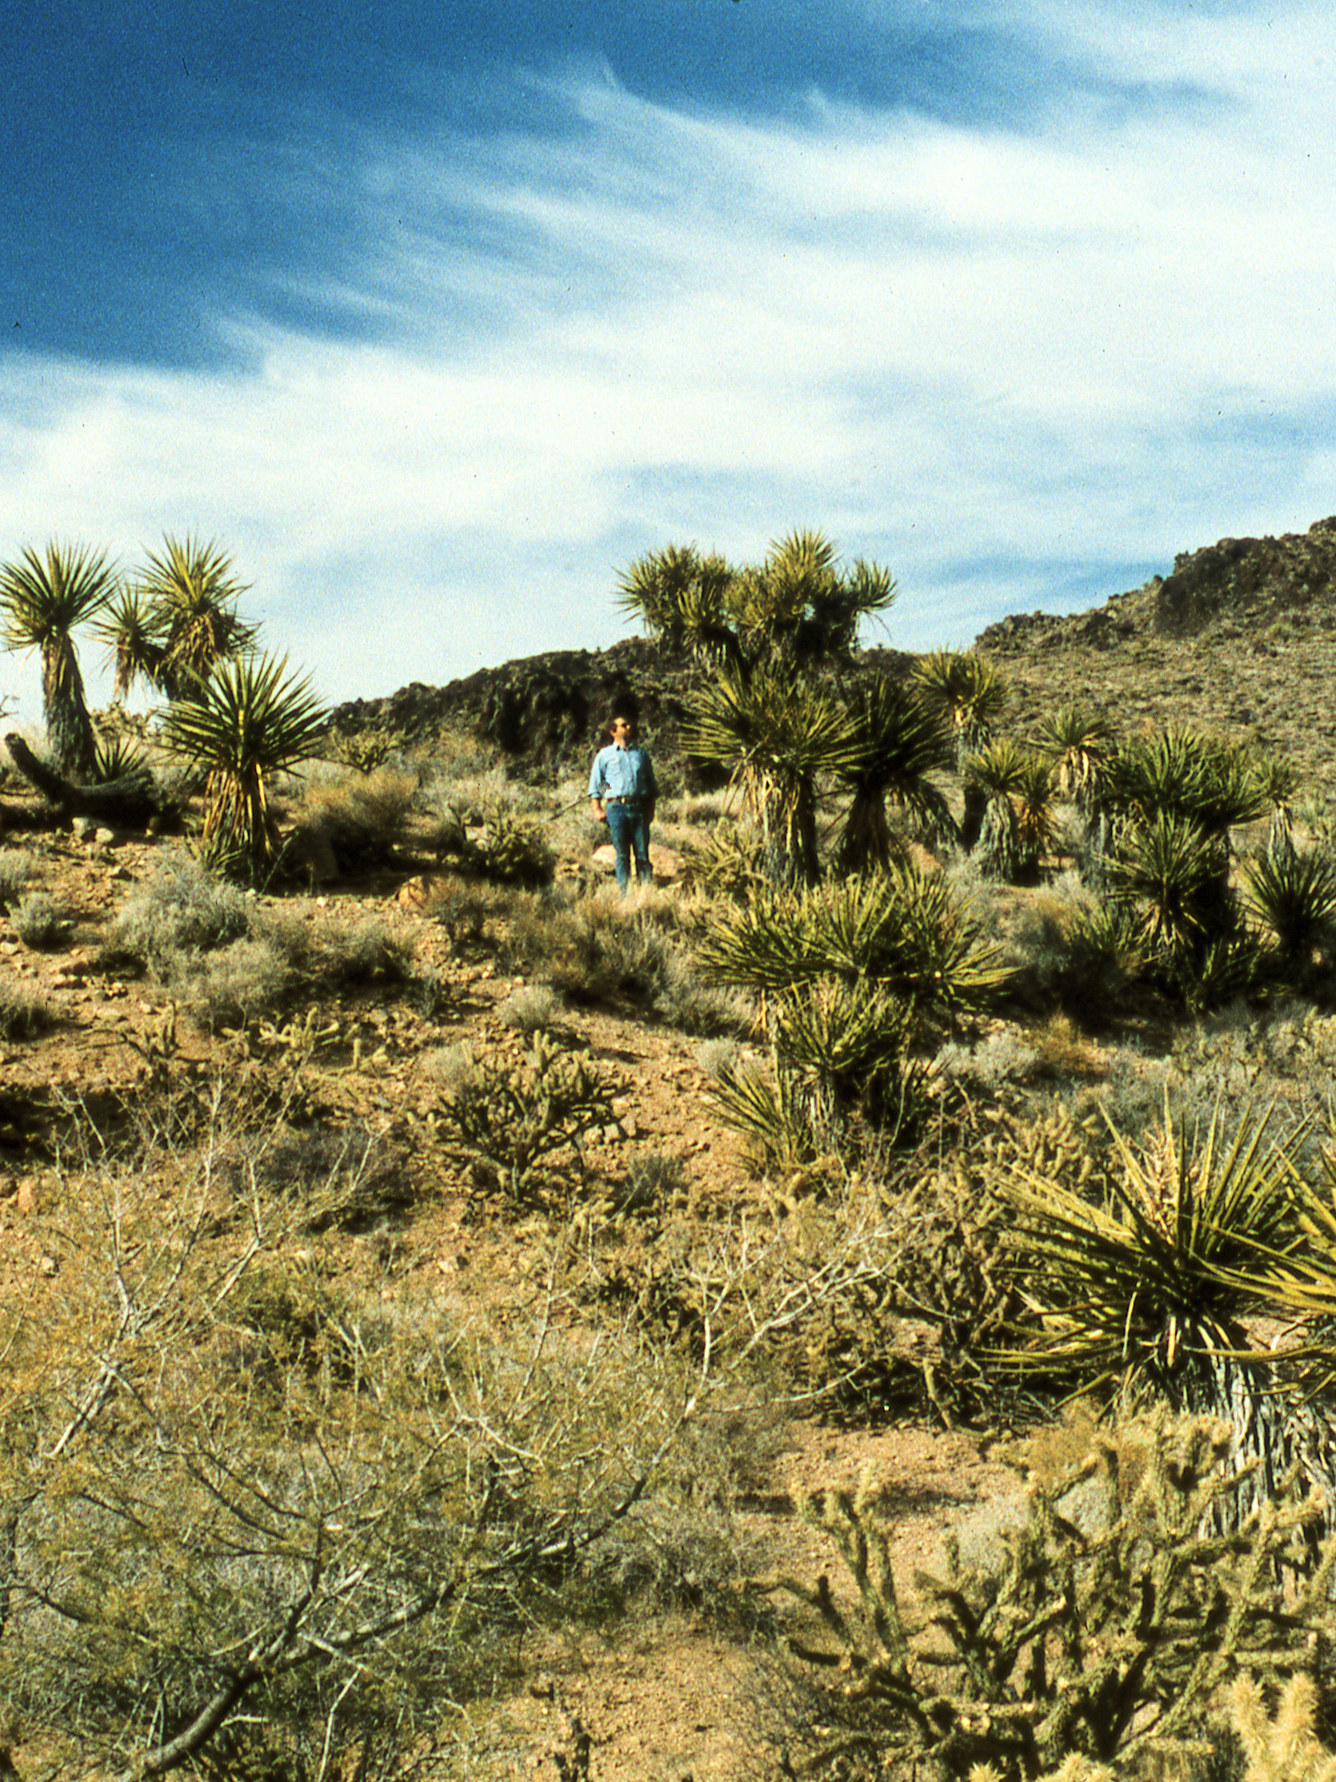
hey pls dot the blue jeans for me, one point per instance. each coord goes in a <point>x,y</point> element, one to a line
<point>628,828</point>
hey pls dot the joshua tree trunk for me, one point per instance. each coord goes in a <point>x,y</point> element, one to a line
<point>69,728</point>
<point>132,800</point>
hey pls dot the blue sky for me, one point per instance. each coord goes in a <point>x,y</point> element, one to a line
<point>438,315</point>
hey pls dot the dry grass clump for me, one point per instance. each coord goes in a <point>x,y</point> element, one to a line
<point>361,817</point>
<point>24,1012</point>
<point>17,868</point>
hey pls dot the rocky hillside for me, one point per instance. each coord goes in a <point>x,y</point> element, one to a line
<point>1240,637</point>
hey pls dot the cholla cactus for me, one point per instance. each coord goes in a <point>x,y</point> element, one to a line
<point>1284,1749</point>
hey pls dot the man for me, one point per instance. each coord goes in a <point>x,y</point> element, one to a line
<point>623,790</point>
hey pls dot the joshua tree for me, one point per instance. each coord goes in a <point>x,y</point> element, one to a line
<point>44,599</point>
<point>179,619</point>
<point>796,608</point>
<point>248,721</point>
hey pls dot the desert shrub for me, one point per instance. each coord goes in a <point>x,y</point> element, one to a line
<point>39,921</point>
<point>462,908</point>
<point>16,871</point>
<point>367,750</point>
<point>24,1011</point>
<point>1103,1631</point>
<point>512,1112</point>
<point>182,909</point>
<point>347,1178</point>
<point>615,951</point>
<point>365,951</point>
<point>230,985</point>
<point>362,816</point>
<point>1003,1058</point>
<point>530,1007</point>
<point>728,862</point>
<point>1292,899</point>
<point>510,848</point>
<point>652,1180</point>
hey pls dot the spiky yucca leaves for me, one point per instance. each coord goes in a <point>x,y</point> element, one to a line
<point>1016,787</point>
<point>249,720</point>
<point>850,974</point>
<point>1076,743</point>
<point>967,691</point>
<point>683,600</point>
<point>45,597</point>
<point>778,733</point>
<point>797,608</point>
<point>181,618</point>
<point>1212,785</point>
<point>1292,898</point>
<point>902,931</point>
<point>136,649</point>
<point>1174,870</point>
<point>1148,1289</point>
<point>900,742</point>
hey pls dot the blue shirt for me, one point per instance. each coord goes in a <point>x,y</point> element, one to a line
<point>623,773</point>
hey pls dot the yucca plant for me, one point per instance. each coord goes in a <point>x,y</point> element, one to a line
<point>778,734</point>
<point>1015,786</point>
<point>902,931</point>
<point>1076,743</point>
<point>180,619</point>
<point>248,721</point>
<point>1174,870</point>
<point>45,597</point>
<point>800,607</point>
<point>1212,785</point>
<point>1292,899</point>
<point>967,691</point>
<point>900,742</point>
<point>1146,1290</point>
<point>682,599</point>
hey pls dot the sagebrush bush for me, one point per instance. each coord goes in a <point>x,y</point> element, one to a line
<point>183,908</point>
<point>230,985</point>
<point>39,921</point>
<point>362,817</point>
<point>17,869</point>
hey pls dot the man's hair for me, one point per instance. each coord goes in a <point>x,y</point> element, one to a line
<point>621,715</point>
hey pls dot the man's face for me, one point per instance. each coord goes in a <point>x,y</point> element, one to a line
<point>621,732</point>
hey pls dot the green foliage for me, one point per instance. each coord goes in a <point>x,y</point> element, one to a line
<point>17,868</point>
<point>248,721</point>
<point>512,848</point>
<point>44,599</point>
<point>1292,899</point>
<point>39,921</point>
<point>900,741</point>
<point>1076,742</point>
<point>1211,786</point>
<point>796,607</point>
<point>1017,789</point>
<point>777,733</point>
<point>179,621</point>
<point>902,931</point>
<point>1103,1630</point>
<point>513,1113</point>
<point>367,750</point>
<point>1150,1285</point>
<point>966,691</point>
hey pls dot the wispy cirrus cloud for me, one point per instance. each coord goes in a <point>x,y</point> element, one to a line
<point>1021,361</point>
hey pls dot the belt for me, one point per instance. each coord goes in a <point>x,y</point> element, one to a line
<point>631,798</point>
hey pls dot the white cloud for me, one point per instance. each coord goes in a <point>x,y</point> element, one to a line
<point>992,358</point>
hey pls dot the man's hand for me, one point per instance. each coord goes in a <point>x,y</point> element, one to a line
<point>599,811</point>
